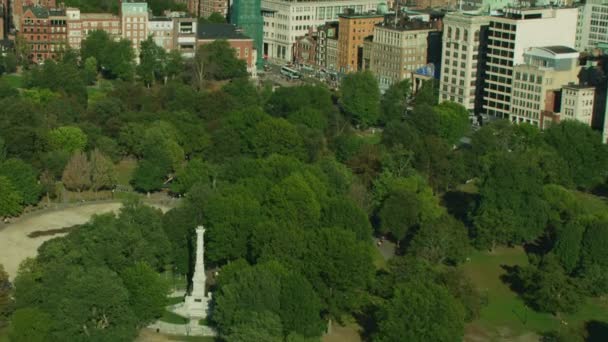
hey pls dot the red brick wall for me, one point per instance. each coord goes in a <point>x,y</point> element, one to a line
<point>243,48</point>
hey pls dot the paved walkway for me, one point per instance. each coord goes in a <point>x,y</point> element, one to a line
<point>16,246</point>
<point>192,329</point>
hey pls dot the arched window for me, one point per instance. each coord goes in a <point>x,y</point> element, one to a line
<point>457,34</point>
<point>476,37</point>
<point>449,32</point>
<point>466,35</point>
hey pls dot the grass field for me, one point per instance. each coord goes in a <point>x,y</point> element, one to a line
<point>506,315</point>
<point>14,80</point>
<point>378,259</point>
<point>4,335</point>
<point>173,318</point>
<point>174,300</point>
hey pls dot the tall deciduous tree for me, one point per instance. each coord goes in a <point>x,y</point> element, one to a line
<point>90,70</point>
<point>152,61</point>
<point>244,290</point>
<point>5,297</point>
<point>453,120</point>
<point>292,202</point>
<point>360,98</point>
<point>217,60</point>
<point>103,173</point>
<point>394,101</point>
<point>77,173</point>
<point>23,177</point>
<point>583,151</point>
<point>420,311</point>
<point>444,240</point>
<point>30,325</point>
<point>511,208</point>
<point>67,138</point>
<point>10,199</point>
<point>147,291</point>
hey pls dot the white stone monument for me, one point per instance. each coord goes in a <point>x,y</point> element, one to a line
<point>196,302</point>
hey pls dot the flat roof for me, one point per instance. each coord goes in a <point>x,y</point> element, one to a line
<point>219,31</point>
<point>559,49</point>
<point>360,15</point>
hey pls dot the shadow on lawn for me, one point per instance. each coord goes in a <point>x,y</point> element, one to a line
<point>597,331</point>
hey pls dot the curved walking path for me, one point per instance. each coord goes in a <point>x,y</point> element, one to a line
<point>15,245</point>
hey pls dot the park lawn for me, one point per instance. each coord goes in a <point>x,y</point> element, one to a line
<point>370,138</point>
<point>94,94</point>
<point>124,172</point>
<point>378,259</point>
<point>4,335</point>
<point>506,313</point>
<point>173,318</point>
<point>14,80</point>
<point>175,300</point>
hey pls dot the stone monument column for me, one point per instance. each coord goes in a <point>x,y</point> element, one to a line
<point>197,302</point>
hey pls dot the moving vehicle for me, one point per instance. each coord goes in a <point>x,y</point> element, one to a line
<point>290,73</point>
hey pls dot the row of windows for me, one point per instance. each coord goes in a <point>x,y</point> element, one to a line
<point>531,78</point>
<point>465,34</point>
<point>502,26</point>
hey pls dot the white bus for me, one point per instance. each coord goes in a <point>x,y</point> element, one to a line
<point>291,73</point>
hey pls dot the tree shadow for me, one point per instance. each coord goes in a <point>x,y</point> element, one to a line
<point>600,190</point>
<point>540,246</point>
<point>512,278</point>
<point>597,331</point>
<point>367,321</point>
<point>459,204</point>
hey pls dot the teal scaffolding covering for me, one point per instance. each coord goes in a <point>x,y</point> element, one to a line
<point>247,15</point>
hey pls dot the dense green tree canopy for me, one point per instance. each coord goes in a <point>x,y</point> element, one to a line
<point>583,151</point>
<point>421,311</point>
<point>360,98</point>
<point>24,178</point>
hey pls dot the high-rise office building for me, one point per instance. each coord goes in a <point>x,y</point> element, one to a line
<point>509,37</point>
<point>462,62</point>
<point>247,15</point>
<point>592,25</point>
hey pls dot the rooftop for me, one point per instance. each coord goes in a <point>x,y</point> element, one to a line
<point>559,49</point>
<point>360,15</point>
<point>219,31</point>
<point>577,86</point>
<point>98,16</point>
<point>160,19</point>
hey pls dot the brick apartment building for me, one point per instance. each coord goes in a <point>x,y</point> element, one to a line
<point>45,32</point>
<point>354,28</point>
<point>242,44</point>
<point>81,24</point>
<point>17,9</point>
<point>213,6</point>
<point>305,49</point>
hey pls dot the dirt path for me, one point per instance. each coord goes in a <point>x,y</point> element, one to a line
<point>15,245</point>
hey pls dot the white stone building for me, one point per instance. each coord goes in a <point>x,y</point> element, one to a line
<point>511,35</point>
<point>460,59</point>
<point>545,69</point>
<point>592,25</point>
<point>161,30</point>
<point>577,103</point>
<point>284,20</point>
